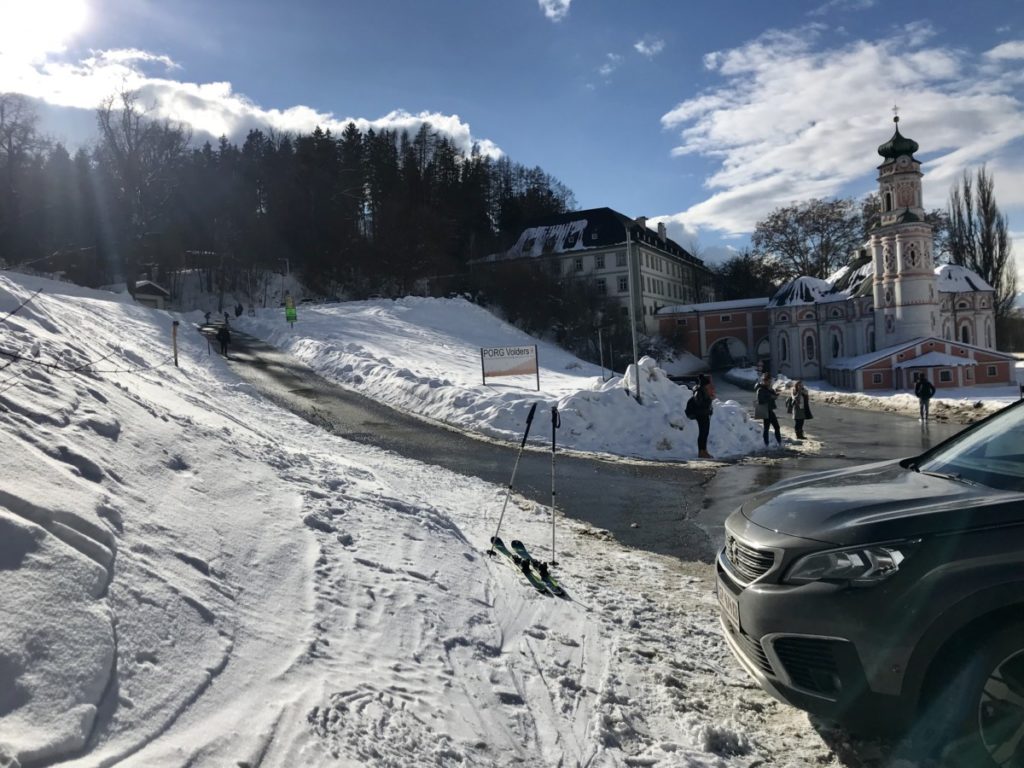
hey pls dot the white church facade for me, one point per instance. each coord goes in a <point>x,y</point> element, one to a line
<point>888,317</point>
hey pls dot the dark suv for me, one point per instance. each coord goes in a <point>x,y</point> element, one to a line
<point>890,597</point>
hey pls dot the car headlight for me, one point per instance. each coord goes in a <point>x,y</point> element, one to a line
<point>859,566</point>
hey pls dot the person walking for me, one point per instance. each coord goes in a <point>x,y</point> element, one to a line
<point>764,408</point>
<point>224,337</point>
<point>924,390</point>
<point>703,401</point>
<point>799,404</point>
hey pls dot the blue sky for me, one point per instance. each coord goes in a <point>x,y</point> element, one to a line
<point>705,115</point>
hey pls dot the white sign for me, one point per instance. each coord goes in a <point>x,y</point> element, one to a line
<point>509,361</point>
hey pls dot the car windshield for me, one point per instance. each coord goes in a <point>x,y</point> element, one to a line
<point>991,455</point>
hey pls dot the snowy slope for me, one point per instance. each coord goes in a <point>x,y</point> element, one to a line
<point>422,355</point>
<point>190,576</point>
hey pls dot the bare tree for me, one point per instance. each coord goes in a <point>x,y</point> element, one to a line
<point>978,237</point>
<point>811,238</point>
<point>19,141</point>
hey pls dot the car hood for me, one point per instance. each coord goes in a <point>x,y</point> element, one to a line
<point>878,502</point>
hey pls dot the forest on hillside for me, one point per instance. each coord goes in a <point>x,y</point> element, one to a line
<point>361,212</point>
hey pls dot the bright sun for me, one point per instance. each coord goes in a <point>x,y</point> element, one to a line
<point>33,29</point>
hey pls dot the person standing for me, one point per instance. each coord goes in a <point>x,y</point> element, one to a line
<point>224,337</point>
<point>924,390</point>
<point>764,408</point>
<point>703,402</point>
<point>800,406</point>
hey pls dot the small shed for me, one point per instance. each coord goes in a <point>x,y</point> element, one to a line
<point>149,294</point>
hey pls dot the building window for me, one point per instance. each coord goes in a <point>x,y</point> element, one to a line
<point>969,373</point>
<point>991,370</point>
<point>623,284</point>
<point>809,347</point>
<point>726,318</point>
<point>965,334</point>
<point>783,348</point>
<point>876,378</point>
<point>578,264</point>
<point>946,376</point>
<point>599,261</point>
<point>620,259</point>
<point>571,239</point>
<point>681,321</point>
<point>837,345</point>
<point>602,287</point>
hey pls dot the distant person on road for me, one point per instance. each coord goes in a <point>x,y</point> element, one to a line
<point>764,408</point>
<point>799,404</point>
<point>224,337</point>
<point>703,400</point>
<point>207,316</point>
<point>227,318</point>
<point>238,310</point>
<point>924,390</point>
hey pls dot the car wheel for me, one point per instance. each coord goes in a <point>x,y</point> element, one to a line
<point>981,706</point>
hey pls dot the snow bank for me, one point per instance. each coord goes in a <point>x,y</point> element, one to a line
<point>422,355</point>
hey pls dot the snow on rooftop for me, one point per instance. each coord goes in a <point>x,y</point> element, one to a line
<point>715,306</point>
<point>799,291</point>
<point>952,278</point>
<point>934,358</point>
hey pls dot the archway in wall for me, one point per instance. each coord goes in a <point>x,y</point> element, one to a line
<point>727,353</point>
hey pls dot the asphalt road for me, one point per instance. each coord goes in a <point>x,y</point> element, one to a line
<point>668,508</point>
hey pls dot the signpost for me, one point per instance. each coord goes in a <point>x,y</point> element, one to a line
<point>509,361</point>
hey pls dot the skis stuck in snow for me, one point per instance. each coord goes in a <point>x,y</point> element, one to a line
<point>541,567</point>
<point>497,545</point>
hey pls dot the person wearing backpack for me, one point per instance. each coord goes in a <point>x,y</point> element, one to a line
<point>924,390</point>
<point>699,408</point>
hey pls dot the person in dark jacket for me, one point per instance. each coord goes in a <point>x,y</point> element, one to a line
<point>799,404</point>
<point>924,390</point>
<point>703,400</point>
<point>765,408</point>
<point>224,337</point>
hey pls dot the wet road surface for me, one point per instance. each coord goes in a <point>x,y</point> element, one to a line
<point>671,509</point>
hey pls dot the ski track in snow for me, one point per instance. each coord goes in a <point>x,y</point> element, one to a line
<point>237,587</point>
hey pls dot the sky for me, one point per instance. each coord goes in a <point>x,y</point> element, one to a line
<point>706,116</point>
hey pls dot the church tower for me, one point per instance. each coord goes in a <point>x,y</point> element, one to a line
<point>905,298</point>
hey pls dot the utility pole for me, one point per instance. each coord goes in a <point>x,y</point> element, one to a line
<point>632,311</point>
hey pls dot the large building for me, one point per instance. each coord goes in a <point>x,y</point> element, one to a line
<point>888,317</point>
<point>619,255</point>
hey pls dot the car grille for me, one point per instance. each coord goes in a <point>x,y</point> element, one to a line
<point>751,649</point>
<point>747,562</point>
<point>810,663</point>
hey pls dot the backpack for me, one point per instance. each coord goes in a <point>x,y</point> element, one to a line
<point>691,407</point>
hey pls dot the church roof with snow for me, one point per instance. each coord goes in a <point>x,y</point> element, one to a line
<point>952,278</point>
<point>800,290</point>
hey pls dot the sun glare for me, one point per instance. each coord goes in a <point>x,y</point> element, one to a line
<point>32,29</point>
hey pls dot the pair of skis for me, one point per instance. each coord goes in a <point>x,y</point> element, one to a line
<point>535,571</point>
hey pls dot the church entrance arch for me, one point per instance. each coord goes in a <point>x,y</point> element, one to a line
<point>727,352</point>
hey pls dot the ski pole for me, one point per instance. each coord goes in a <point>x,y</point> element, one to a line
<point>556,422</point>
<point>529,421</point>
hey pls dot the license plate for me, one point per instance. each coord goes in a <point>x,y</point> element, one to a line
<point>730,605</point>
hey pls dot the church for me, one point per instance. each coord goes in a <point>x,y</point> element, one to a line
<point>888,317</point>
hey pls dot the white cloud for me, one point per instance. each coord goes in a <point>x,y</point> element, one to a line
<point>556,10</point>
<point>213,109</point>
<point>792,119</point>
<point>842,5</point>
<point>649,46</point>
<point>1013,49</point>
<point>611,63</point>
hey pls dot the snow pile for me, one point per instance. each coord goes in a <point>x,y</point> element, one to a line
<point>422,355</point>
<point>284,597</point>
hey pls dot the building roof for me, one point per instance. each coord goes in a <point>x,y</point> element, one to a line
<point>853,363</point>
<point>930,359</point>
<point>715,306</point>
<point>149,288</point>
<point>952,278</point>
<point>800,290</point>
<point>582,230</point>
<point>853,279</point>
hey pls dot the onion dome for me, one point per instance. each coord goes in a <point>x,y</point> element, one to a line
<point>898,145</point>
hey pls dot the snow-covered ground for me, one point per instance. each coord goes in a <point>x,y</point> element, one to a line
<point>961,404</point>
<point>422,355</point>
<point>191,576</point>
